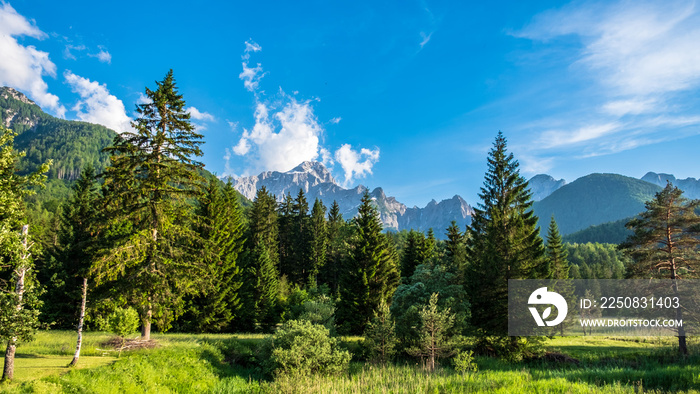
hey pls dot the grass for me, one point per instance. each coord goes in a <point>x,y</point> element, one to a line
<point>226,364</point>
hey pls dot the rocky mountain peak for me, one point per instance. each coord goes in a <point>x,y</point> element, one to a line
<point>315,169</point>
<point>542,185</point>
<point>7,92</point>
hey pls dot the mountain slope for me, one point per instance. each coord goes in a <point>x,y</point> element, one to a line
<point>594,199</point>
<point>317,182</point>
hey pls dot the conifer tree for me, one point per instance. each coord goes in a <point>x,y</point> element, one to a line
<point>434,327</point>
<point>380,335</point>
<point>219,301</point>
<point>413,253</point>
<point>664,243</point>
<point>372,271</point>
<point>319,240</point>
<point>300,264</point>
<point>77,243</point>
<point>559,267</point>
<point>285,224</point>
<point>263,225</point>
<point>336,236</point>
<point>18,290</point>
<point>151,175</point>
<point>504,243</point>
<point>455,249</point>
<point>260,289</point>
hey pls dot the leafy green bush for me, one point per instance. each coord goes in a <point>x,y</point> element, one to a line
<point>123,321</point>
<point>464,362</point>
<point>300,347</point>
<point>320,310</point>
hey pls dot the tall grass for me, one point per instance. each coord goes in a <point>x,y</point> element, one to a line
<point>185,363</point>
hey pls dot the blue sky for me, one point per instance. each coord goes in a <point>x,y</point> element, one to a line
<point>406,95</point>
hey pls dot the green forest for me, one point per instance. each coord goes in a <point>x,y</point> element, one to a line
<point>231,295</point>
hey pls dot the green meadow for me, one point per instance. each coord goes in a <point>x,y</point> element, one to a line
<point>184,363</point>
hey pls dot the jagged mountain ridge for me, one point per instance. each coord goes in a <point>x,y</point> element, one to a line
<point>542,185</point>
<point>317,182</point>
<point>690,186</point>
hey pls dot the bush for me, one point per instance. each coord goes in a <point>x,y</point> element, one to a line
<point>464,362</point>
<point>123,321</point>
<point>300,347</point>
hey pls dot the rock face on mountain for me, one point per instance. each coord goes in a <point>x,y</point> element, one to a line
<point>690,186</point>
<point>542,185</point>
<point>317,182</point>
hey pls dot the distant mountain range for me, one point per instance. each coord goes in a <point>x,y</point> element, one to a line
<point>594,207</point>
<point>317,182</point>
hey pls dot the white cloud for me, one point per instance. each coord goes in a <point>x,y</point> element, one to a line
<point>287,132</point>
<point>23,67</point>
<point>356,165</point>
<point>96,105</point>
<point>198,115</point>
<point>556,138</point>
<point>251,76</point>
<point>102,55</point>
<point>283,138</point>
<point>250,46</point>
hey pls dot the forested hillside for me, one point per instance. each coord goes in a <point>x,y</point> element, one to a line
<point>594,199</point>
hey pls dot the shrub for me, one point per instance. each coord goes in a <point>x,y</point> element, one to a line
<point>464,362</point>
<point>300,347</point>
<point>123,321</point>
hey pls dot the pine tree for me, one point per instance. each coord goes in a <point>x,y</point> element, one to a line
<point>285,224</point>
<point>18,291</point>
<point>380,335</point>
<point>77,242</point>
<point>558,265</point>
<point>336,248</point>
<point>261,275</point>
<point>263,227</point>
<point>413,254</point>
<point>150,178</point>
<point>665,241</point>
<point>219,302</point>
<point>261,288</point>
<point>433,329</point>
<point>503,244</point>
<point>300,264</point>
<point>455,249</point>
<point>371,274</point>
<point>319,240</point>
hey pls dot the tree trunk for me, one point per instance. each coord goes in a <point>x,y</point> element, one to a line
<point>8,371</point>
<point>80,324</point>
<point>146,328</point>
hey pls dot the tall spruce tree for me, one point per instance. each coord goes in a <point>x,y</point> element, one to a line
<point>558,266</point>
<point>504,243</point>
<point>664,243</point>
<point>455,252</point>
<point>151,175</point>
<point>372,270</point>
<point>413,253</point>
<point>261,272</point>
<point>77,242</point>
<point>222,228</point>
<point>318,239</point>
<point>19,300</point>
<point>336,247</point>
